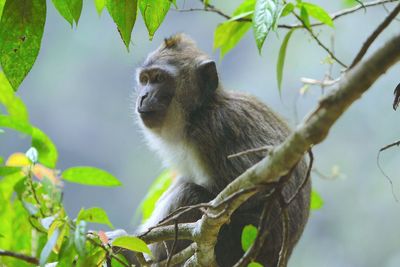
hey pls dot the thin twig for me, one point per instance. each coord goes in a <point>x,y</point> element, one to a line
<point>26,258</point>
<point>378,163</point>
<point>111,255</point>
<point>323,83</point>
<point>374,35</point>
<point>255,248</point>
<point>334,16</point>
<point>308,174</point>
<point>30,182</point>
<point>182,210</point>
<point>283,253</point>
<point>252,150</point>
<point>310,31</point>
<point>173,244</point>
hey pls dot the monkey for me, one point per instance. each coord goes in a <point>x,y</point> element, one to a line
<point>194,124</point>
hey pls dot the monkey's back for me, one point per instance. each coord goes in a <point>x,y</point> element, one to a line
<point>229,123</point>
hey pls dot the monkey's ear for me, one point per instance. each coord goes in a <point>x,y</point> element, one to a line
<point>207,76</point>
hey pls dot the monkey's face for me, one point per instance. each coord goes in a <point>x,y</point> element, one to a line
<point>156,89</point>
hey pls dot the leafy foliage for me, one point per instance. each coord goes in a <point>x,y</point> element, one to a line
<point>69,9</point>
<point>154,12</point>
<point>317,12</point>
<point>123,13</point>
<point>89,176</point>
<point>100,5</point>
<point>316,200</point>
<point>265,16</point>
<point>157,188</point>
<point>281,59</point>
<point>228,34</point>
<point>249,234</point>
<point>132,243</point>
<point>94,215</point>
<point>33,218</point>
<point>21,30</point>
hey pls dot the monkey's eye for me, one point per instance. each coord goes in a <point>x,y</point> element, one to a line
<point>144,78</point>
<point>159,77</point>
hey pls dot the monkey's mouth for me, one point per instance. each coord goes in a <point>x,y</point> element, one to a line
<point>151,118</point>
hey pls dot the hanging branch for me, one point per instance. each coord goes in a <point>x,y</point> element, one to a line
<point>375,34</point>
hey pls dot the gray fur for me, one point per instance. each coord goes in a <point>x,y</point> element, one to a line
<point>202,126</point>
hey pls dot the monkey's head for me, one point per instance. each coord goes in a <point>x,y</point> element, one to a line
<point>177,77</point>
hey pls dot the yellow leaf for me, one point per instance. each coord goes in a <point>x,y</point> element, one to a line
<point>18,160</point>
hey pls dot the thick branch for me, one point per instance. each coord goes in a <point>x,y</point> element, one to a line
<point>313,130</point>
<point>159,234</point>
<point>19,256</point>
<point>179,257</point>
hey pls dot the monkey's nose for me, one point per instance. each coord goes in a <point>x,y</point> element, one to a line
<point>142,99</point>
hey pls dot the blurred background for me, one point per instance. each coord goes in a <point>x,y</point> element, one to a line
<point>81,93</point>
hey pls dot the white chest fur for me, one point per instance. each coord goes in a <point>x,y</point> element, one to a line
<point>179,156</point>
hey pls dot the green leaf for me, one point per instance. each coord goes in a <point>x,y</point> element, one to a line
<point>90,176</point>
<point>123,13</point>
<point>228,34</point>
<point>51,242</point>
<point>157,188</point>
<point>5,170</point>
<point>316,201</point>
<point>255,264</point>
<point>48,154</point>
<point>94,215</point>
<point>287,9</point>
<point>13,104</point>
<point>96,258</point>
<point>249,234</point>
<point>10,122</point>
<point>318,13</point>
<point>116,263</point>
<point>100,5</point>
<point>244,15</point>
<point>265,16</point>
<point>305,17</point>
<point>47,150</point>
<point>67,253</point>
<point>153,13</point>
<point>80,238</point>
<point>2,2</point>
<point>350,3</point>
<point>132,243</point>
<point>69,9</point>
<point>21,30</point>
<point>281,59</point>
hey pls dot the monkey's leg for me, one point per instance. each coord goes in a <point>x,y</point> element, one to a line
<point>180,194</point>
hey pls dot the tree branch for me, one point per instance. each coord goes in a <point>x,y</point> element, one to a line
<point>19,256</point>
<point>375,34</point>
<point>186,231</point>
<point>312,131</point>
<point>334,16</point>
